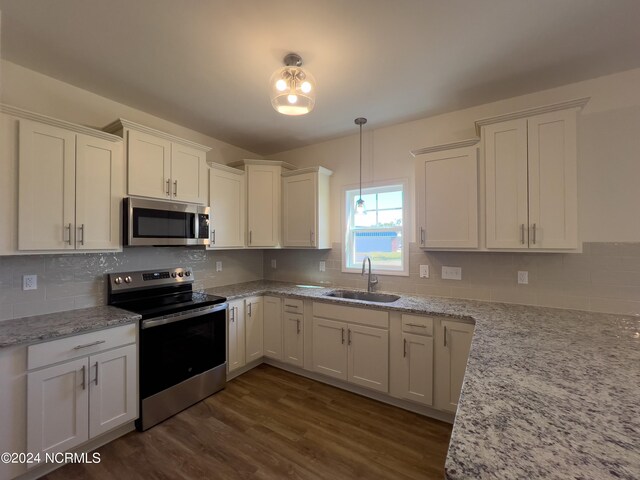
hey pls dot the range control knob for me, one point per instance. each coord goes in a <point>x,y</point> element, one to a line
<point>127,279</point>
<point>118,280</point>
<point>180,274</point>
<point>173,274</point>
<point>187,273</point>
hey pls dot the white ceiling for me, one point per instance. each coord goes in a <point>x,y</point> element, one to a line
<point>206,64</point>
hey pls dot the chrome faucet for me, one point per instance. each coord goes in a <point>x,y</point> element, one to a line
<point>373,280</point>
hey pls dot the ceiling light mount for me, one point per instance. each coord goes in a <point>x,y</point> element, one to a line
<point>293,90</point>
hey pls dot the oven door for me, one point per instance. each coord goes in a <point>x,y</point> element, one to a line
<point>176,348</point>
<point>149,222</point>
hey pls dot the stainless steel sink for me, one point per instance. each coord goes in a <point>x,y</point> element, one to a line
<point>365,296</point>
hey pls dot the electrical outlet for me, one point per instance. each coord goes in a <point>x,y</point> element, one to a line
<point>29,282</point>
<point>451,273</point>
<point>523,277</point>
<point>218,266</point>
<point>424,271</point>
<point>323,266</point>
<point>273,263</point>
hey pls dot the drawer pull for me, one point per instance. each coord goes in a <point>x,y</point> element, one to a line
<point>92,344</point>
<point>415,325</point>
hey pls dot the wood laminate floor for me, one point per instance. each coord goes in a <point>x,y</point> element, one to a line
<point>272,424</point>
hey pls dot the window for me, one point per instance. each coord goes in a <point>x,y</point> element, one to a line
<point>378,232</point>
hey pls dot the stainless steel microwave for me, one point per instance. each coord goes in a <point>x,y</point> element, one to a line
<point>157,223</point>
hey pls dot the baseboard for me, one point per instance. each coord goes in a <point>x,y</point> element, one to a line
<point>91,445</point>
<point>365,392</point>
<point>244,369</point>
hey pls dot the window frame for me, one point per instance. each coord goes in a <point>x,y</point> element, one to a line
<point>347,209</point>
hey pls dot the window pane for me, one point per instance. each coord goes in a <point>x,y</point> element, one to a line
<point>367,219</point>
<point>390,200</point>
<point>389,218</point>
<point>369,200</point>
<point>384,249</point>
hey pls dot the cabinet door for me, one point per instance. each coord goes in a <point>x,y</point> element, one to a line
<point>187,166</point>
<point>450,196</point>
<point>58,407</point>
<point>113,391</point>
<point>272,327</point>
<point>263,205</point>
<point>553,187</point>
<point>452,362</point>
<point>506,184</point>
<point>254,328</point>
<point>368,357</point>
<point>236,334</point>
<point>300,210</point>
<point>293,339</point>
<point>417,374</point>
<point>149,165</point>
<point>228,204</point>
<point>46,193</point>
<point>99,191</point>
<point>330,348</point>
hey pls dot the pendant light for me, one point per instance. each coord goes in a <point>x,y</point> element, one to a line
<point>293,90</point>
<point>360,203</point>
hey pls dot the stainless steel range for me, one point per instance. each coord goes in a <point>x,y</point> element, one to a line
<point>182,339</point>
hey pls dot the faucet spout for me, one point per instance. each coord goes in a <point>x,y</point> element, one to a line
<point>373,279</point>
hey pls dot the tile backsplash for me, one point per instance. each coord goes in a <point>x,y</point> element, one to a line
<point>604,278</point>
<point>66,282</point>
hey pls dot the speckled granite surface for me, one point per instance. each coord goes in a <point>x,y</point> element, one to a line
<point>548,393</point>
<point>27,330</point>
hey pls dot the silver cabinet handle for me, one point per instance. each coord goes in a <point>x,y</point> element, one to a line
<point>298,326</point>
<point>445,335</point>
<point>422,235</point>
<point>96,379</point>
<point>168,187</point>
<point>92,344</point>
<point>286,305</point>
<point>404,348</point>
<point>84,377</point>
<point>342,329</point>
<point>250,237</point>
<point>522,233</point>
<point>534,233</point>
<point>213,236</point>
<point>249,309</point>
<point>415,325</point>
<point>82,231</point>
<point>348,336</point>
<point>311,236</point>
<point>175,188</point>
<point>68,227</point>
<point>232,314</point>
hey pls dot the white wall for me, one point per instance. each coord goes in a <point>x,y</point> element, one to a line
<point>608,152</point>
<point>39,93</point>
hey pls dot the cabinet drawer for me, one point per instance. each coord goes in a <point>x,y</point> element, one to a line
<point>364,316</point>
<point>417,325</point>
<point>293,305</point>
<point>55,351</point>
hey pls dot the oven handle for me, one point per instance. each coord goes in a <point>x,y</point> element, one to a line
<point>178,318</point>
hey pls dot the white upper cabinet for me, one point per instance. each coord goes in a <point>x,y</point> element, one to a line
<point>531,182</point>
<point>447,196</point>
<point>305,208</point>
<point>70,188</point>
<point>263,205</point>
<point>163,166</point>
<point>227,203</point>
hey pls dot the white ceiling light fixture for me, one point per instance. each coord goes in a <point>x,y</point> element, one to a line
<point>293,90</point>
<point>360,203</point>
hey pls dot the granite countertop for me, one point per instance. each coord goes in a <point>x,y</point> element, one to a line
<point>548,393</point>
<point>34,329</point>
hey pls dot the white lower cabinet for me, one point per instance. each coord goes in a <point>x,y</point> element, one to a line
<point>71,402</point>
<point>272,327</point>
<point>293,338</point>
<point>416,367</point>
<point>254,316</point>
<point>235,336</point>
<point>452,353</point>
<point>356,352</point>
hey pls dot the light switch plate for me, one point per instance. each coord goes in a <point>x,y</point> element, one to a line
<point>424,271</point>
<point>523,277</point>
<point>29,282</point>
<point>273,263</point>
<point>218,266</point>
<point>452,273</point>
<point>323,266</point>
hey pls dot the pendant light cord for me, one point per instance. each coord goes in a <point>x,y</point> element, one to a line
<point>360,161</point>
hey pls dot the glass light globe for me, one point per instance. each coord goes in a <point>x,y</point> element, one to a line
<point>298,96</point>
